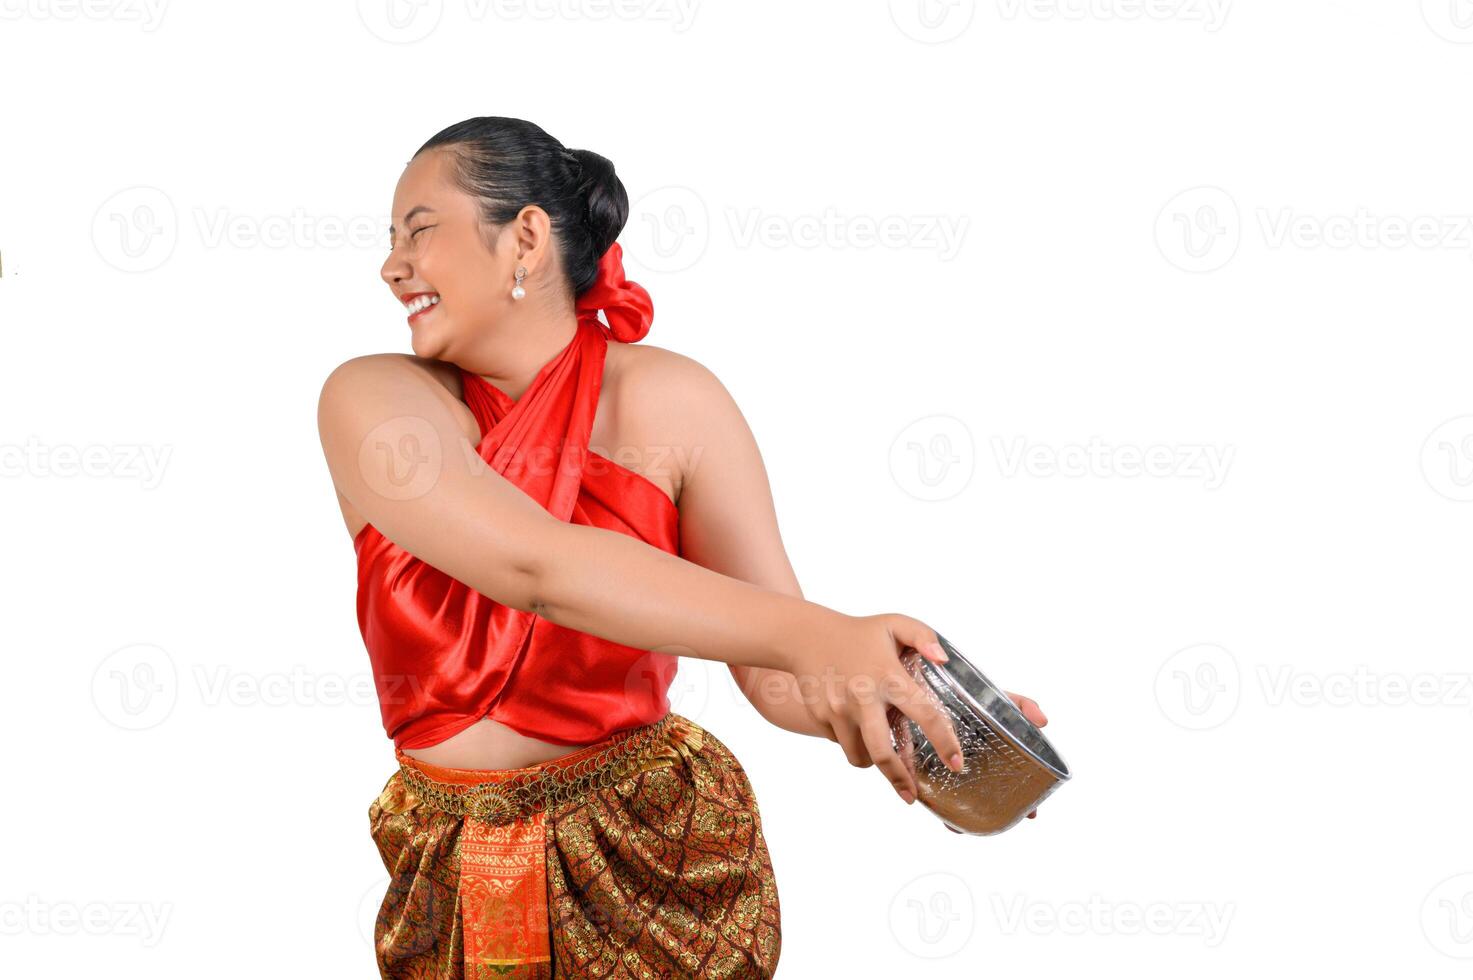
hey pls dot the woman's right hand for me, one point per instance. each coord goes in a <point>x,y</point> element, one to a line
<point>851,677</point>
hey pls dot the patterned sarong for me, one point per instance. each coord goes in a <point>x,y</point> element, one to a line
<point>646,860</point>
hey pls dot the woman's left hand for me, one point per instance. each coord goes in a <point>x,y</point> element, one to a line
<point>1033,713</point>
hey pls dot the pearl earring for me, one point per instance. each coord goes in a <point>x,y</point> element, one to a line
<point>517,292</point>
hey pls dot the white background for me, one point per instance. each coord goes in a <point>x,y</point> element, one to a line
<point>1181,232</point>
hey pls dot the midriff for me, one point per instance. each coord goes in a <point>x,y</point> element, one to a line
<point>488,744</point>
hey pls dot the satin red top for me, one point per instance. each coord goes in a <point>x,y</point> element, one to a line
<point>445,655</point>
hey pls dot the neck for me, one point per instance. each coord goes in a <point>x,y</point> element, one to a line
<point>510,360</point>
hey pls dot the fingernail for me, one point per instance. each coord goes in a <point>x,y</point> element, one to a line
<point>956,762</point>
<point>936,649</point>
<point>905,795</point>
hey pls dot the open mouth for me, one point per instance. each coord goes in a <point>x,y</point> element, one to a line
<point>421,303</point>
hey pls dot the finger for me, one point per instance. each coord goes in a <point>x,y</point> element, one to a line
<point>1027,705</point>
<point>932,651</point>
<point>921,708</point>
<point>876,731</point>
<point>1030,709</point>
<point>847,734</point>
<point>919,637</point>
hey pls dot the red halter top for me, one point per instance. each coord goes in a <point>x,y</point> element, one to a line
<point>445,656</point>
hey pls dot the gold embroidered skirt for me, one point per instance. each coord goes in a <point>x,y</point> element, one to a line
<point>641,856</point>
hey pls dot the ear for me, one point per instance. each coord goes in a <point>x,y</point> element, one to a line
<point>532,229</point>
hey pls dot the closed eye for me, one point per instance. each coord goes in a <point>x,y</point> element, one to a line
<point>411,235</point>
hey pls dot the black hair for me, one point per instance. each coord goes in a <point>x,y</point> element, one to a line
<point>510,163</point>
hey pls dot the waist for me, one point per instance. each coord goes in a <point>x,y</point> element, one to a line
<point>504,795</point>
<point>491,744</point>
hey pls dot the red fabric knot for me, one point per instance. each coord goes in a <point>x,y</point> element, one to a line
<point>626,304</point>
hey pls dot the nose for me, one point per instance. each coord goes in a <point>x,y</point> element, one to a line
<point>395,269</point>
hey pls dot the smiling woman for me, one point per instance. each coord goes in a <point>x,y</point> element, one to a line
<point>524,600</point>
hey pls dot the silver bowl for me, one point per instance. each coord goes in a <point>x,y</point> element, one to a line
<point>1008,766</point>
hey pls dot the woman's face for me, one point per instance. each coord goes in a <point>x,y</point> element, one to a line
<point>440,254</point>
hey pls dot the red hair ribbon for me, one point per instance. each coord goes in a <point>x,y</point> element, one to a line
<point>626,304</point>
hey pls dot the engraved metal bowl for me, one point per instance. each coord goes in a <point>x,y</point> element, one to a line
<point>1008,765</point>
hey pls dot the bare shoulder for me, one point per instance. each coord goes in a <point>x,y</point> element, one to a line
<point>358,371</point>
<point>370,379</point>
<point>663,378</point>
<point>381,389</point>
<point>661,391</point>
<point>670,412</point>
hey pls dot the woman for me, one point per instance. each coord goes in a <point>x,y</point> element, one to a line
<point>524,597</point>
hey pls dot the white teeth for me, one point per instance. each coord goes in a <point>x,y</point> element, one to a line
<point>420,303</point>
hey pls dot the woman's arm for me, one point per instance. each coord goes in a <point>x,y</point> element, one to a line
<point>728,522</point>
<point>400,458</point>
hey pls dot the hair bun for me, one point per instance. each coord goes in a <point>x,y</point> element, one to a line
<point>506,164</point>
<point>606,202</point>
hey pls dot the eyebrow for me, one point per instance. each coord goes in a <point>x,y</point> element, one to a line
<point>417,209</point>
